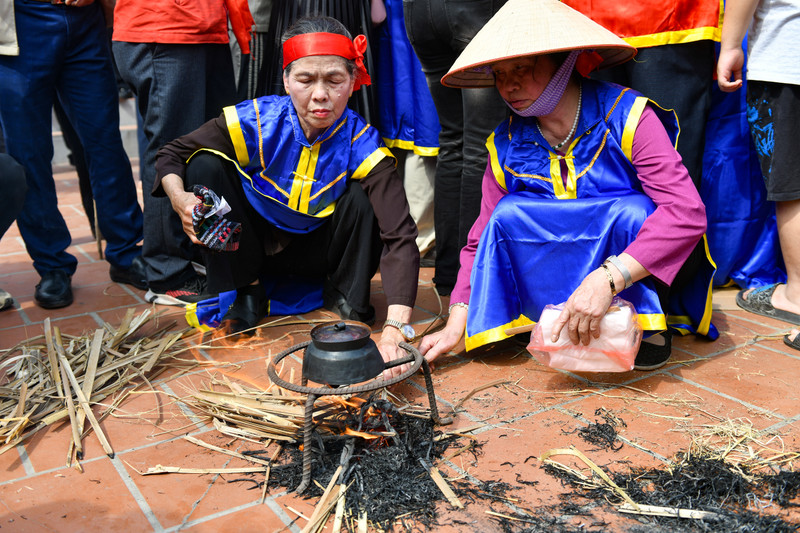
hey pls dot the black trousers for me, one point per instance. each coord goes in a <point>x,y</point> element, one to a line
<point>679,77</point>
<point>344,252</point>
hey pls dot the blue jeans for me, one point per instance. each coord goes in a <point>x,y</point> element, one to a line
<point>12,183</point>
<point>178,87</point>
<point>439,30</point>
<point>64,53</point>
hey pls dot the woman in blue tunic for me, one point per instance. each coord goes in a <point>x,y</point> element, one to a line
<point>584,195</point>
<point>312,185</point>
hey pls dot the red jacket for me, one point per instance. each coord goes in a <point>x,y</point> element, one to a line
<point>643,23</point>
<point>181,21</point>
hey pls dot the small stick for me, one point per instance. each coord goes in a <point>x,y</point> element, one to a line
<point>519,329</point>
<point>84,403</point>
<point>298,513</point>
<point>226,452</point>
<point>478,389</point>
<point>324,506</point>
<point>73,422</point>
<point>675,512</point>
<point>269,470</point>
<point>442,484</point>
<point>337,517</point>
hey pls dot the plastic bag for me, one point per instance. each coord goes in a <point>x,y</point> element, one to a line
<point>614,351</point>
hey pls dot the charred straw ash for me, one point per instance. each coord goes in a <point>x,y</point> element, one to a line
<point>386,478</point>
<point>603,434</point>
<point>700,483</point>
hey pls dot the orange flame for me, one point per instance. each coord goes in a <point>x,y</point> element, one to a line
<point>354,402</point>
<point>363,435</point>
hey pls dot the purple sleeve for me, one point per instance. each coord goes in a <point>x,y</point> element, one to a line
<point>671,232</point>
<point>491,193</point>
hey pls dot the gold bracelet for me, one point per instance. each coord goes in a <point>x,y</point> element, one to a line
<point>610,279</point>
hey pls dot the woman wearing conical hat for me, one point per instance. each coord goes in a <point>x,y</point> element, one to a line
<point>584,195</point>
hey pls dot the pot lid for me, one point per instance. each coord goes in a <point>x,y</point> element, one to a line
<point>342,335</point>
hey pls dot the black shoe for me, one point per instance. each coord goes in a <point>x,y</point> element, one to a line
<point>135,275</point>
<point>192,291</point>
<point>652,356</point>
<point>339,305</point>
<point>247,310</point>
<point>54,290</point>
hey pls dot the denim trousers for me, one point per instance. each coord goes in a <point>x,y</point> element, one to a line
<point>12,183</point>
<point>64,54</point>
<point>439,30</point>
<point>178,87</point>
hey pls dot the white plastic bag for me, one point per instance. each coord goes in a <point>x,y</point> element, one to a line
<point>614,351</point>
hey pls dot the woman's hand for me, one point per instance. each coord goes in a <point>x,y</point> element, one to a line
<point>388,346</point>
<point>585,308</point>
<point>391,337</point>
<point>182,203</point>
<point>436,344</point>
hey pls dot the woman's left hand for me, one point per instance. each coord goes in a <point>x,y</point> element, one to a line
<point>584,309</point>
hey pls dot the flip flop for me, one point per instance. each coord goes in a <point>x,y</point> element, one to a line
<point>792,343</point>
<point>759,301</point>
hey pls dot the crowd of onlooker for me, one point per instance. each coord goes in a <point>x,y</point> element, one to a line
<point>242,82</point>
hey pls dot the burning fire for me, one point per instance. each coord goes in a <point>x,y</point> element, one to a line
<point>362,434</point>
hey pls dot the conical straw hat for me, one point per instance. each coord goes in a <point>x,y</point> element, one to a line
<point>533,27</point>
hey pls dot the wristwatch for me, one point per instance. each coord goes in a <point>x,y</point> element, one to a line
<point>407,331</point>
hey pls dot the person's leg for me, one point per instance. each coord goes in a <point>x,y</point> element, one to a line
<point>235,269</point>
<point>477,128</point>
<point>78,160</point>
<point>773,113</point>
<point>418,179</point>
<point>87,90</point>
<point>679,77</point>
<point>169,82</point>
<point>27,124</point>
<point>345,252</point>
<point>429,35</point>
<point>12,183</point>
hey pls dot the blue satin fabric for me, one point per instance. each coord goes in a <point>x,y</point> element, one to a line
<point>290,296</point>
<point>279,157</point>
<point>535,252</point>
<point>407,117</point>
<point>742,232</point>
<point>551,230</point>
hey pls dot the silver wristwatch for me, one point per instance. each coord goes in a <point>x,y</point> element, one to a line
<point>407,331</point>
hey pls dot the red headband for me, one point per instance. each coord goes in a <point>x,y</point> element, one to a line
<point>329,44</point>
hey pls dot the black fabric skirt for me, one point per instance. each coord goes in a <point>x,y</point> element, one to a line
<point>354,14</point>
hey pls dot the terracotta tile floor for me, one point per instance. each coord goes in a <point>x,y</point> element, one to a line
<point>748,375</point>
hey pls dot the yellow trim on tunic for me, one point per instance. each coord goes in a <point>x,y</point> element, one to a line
<point>191,318</point>
<point>499,176</point>
<point>709,33</point>
<point>237,137</point>
<point>494,334</point>
<point>631,124</point>
<point>425,151</point>
<point>304,178</point>
<point>650,322</point>
<point>705,324</point>
<point>369,163</point>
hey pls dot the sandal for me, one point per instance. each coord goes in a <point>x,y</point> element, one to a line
<point>792,343</point>
<point>759,301</point>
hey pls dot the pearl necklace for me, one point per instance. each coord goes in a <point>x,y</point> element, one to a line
<point>574,123</point>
